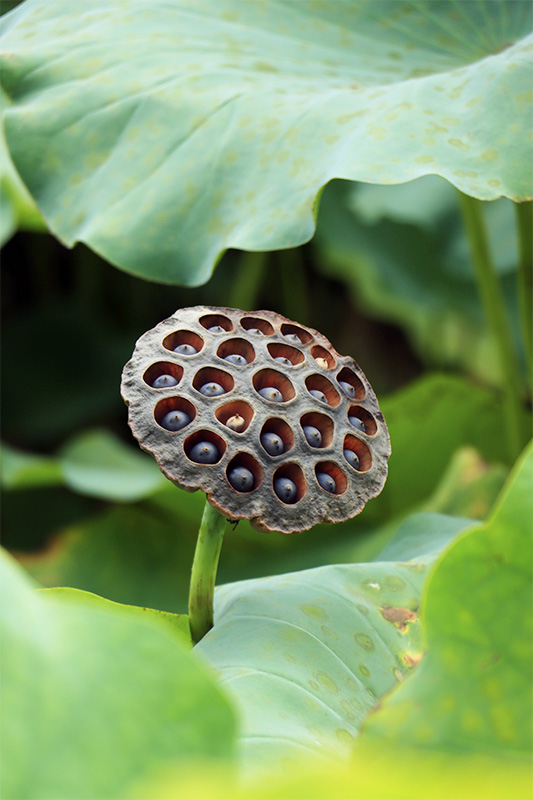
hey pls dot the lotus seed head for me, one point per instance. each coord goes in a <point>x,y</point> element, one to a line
<point>164,382</point>
<point>322,362</point>
<point>211,389</point>
<point>272,443</point>
<point>357,423</point>
<point>351,457</point>
<point>175,420</point>
<point>241,479</point>
<point>326,482</point>
<point>313,435</point>
<point>235,358</point>
<point>285,489</point>
<point>318,395</point>
<point>236,422</point>
<point>347,388</point>
<point>272,394</point>
<point>204,453</point>
<point>185,350</point>
<point>216,329</point>
<point>292,337</point>
<point>283,360</point>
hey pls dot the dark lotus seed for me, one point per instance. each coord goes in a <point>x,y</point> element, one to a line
<point>318,395</point>
<point>185,350</point>
<point>285,489</point>
<point>175,420</point>
<point>313,435</point>
<point>272,443</point>
<point>255,330</point>
<point>272,394</point>
<point>352,458</point>
<point>347,388</point>
<point>216,329</point>
<point>163,381</point>
<point>326,482</point>
<point>357,423</point>
<point>292,337</point>
<point>283,360</point>
<point>235,358</point>
<point>211,389</point>
<point>204,453</point>
<point>241,479</point>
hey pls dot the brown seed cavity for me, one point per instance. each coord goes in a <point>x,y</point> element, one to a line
<point>272,378</point>
<point>347,375</point>
<point>361,450</point>
<point>249,462</point>
<point>295,330</point>
<point>176,403</point>
<point>371,426</point>
<point>212,320</point>
<point>239,347</point>
<point>251,323</point>
<point>236,415</point>
<point>294,473</point>
<point>281,429</point>
<point>323,358</point>
<point>278,350</point>
<point>163,368</point>
<point>322,384</point>
<point>334,471</point>
<point>176,338</point>
<point>205,436</point>
<point>323,423</point>
<point>213,374</point>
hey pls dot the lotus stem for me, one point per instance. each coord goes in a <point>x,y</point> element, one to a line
<point>204,571</point>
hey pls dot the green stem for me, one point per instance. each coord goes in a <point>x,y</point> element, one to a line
<point>494,306</point>
<point>248,280</point>
<point>524,218</point>
<point>204,572</point>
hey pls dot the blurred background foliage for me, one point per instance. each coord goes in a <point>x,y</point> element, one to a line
<point>387,279</point>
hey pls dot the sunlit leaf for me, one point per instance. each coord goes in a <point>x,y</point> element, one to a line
<point>162,133</point>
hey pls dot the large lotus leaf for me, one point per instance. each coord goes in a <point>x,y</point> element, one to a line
<point>93,699</point>
<point>472,692</point>
<point>162,133</point>
<point>323,645</point>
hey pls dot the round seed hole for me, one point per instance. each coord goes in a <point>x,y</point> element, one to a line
<point>361,450</point>
<point>351,384</point>
<point>181,408</point>
<point>156,374</point>
<point>212,377</point>
<point>321,423</point>
<point>295,335</point>
<point>239,348</point>
<point>236,415</point>
<point>323,357</point>
<point>257,326</point>
<point>276,437</point>
<point>284,351</point>
<point>334,480</point>
<point>195,452</point>
<point>362,420</point>
<point>267,380</point>
<point>288,483</point>
<point>320,387</point>
<point>209,321</point>
<point>187,340</point>
<point>244,473</point>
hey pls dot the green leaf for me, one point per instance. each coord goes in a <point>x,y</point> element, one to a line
<point>422,535</point>
<point>323,645</point>
<point>472,692</point>
<point>98,464</point>
<point>178,623</point>
<point>162,134</point>
<point>23,470</point>
<point>94,698</point>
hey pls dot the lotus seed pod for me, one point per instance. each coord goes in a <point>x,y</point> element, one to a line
<point>287,435</point>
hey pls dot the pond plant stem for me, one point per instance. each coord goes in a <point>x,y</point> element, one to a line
<point>204,571</point>
<point>524,218</point>
<point>493,303</point>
